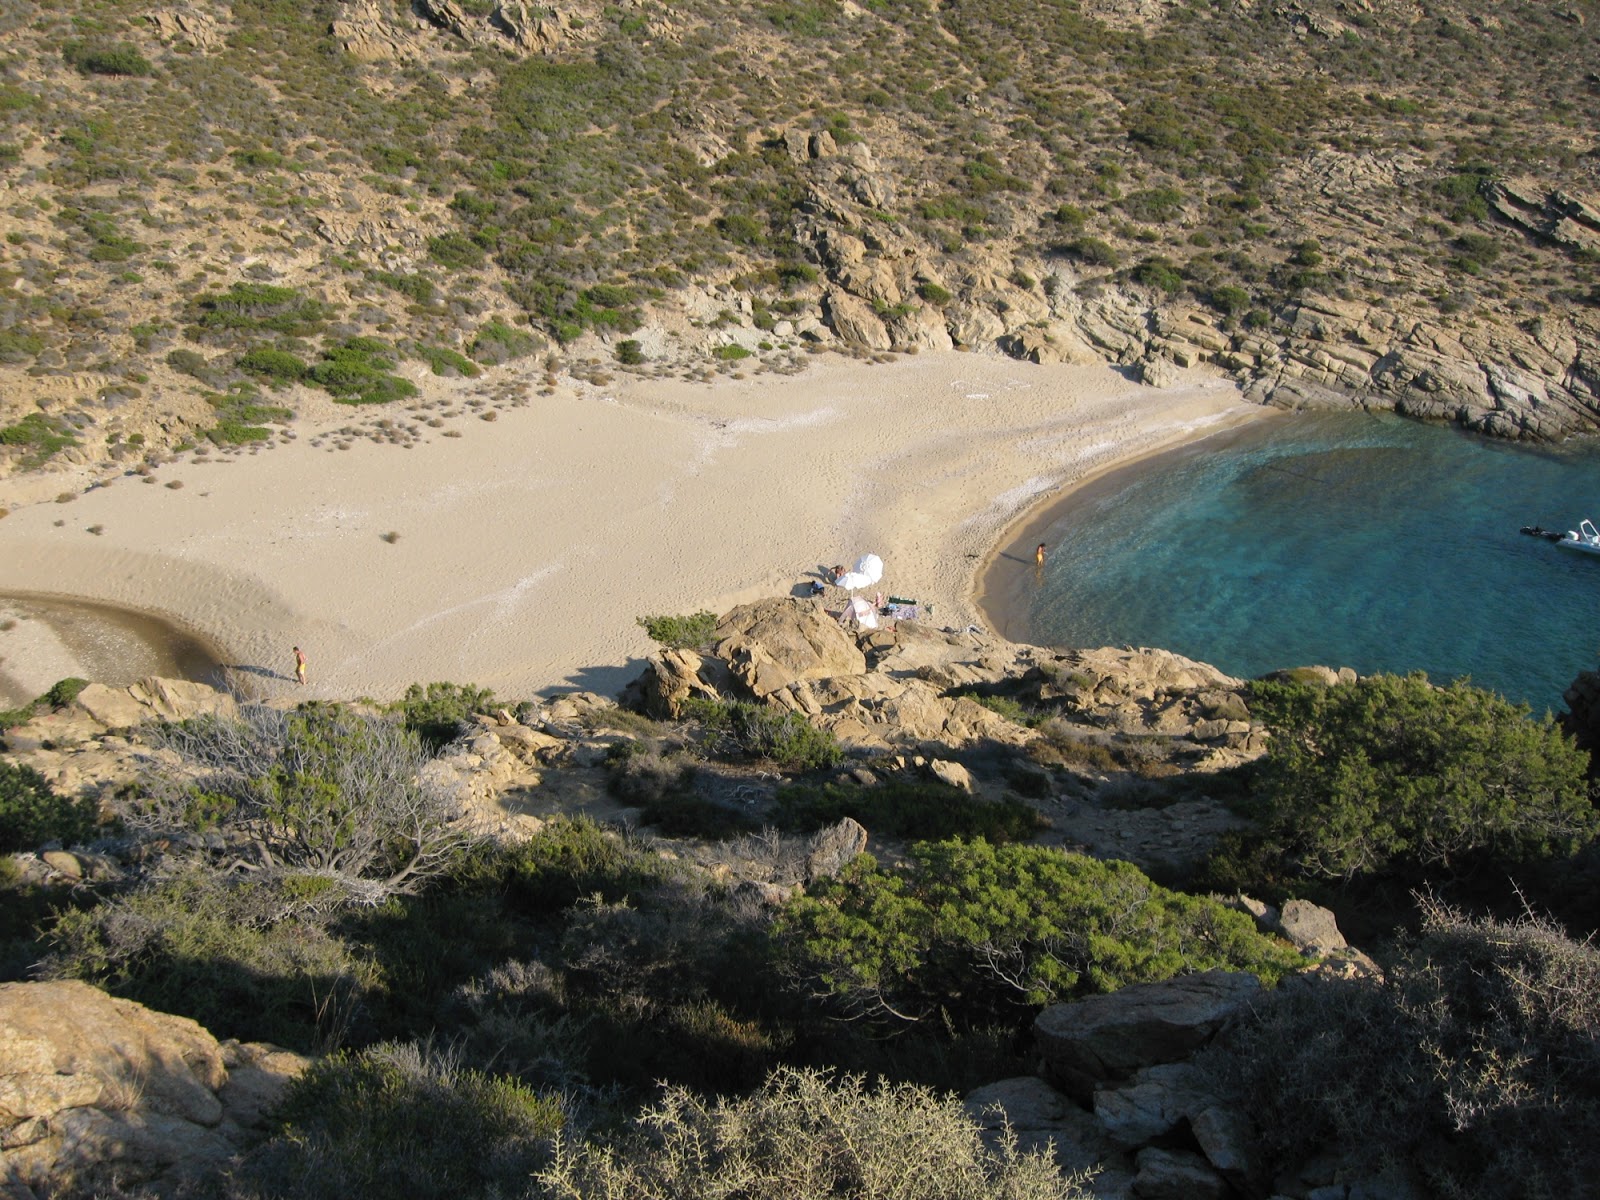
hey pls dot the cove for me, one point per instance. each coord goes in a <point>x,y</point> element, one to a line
<point>1347,539</point>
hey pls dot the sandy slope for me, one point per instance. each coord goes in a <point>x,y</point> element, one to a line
<point>528,545</point>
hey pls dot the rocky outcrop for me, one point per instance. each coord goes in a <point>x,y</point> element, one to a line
<point>375,32</point>
<point>1105,1039</point>
<point>193,27</point>
<point>775,644</point>
<point>1128,1086</point>
<point>95,1089</point>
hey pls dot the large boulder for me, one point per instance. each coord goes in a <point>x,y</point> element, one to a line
<point>1110,1037</point>
<point>771,644</point>
<point>94,1089</point>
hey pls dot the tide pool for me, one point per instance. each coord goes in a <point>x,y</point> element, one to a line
<point>1347,539</point>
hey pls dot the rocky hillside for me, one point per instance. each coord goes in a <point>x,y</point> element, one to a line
<point>216,215</point>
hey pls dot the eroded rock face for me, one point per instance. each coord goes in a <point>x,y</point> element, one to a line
<point>94,1088</point>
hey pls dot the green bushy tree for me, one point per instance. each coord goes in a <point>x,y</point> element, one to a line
<point>986,932</point>
<point>1391,773</point>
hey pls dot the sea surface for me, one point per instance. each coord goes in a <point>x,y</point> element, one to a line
<point>1346,539</point>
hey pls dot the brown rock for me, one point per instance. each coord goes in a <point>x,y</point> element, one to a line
<point>772,643</point>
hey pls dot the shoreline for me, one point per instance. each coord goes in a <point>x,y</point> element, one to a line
<point>999,604</point>
<point>516,549</point>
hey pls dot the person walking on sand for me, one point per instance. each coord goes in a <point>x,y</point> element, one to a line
<point>1038,555</point>
<point>299,667</point>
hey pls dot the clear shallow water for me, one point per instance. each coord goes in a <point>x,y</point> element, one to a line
<point>1347,539</point>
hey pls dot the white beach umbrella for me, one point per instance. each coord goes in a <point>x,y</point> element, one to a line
<point>868,570</point>
<point>861,612</point>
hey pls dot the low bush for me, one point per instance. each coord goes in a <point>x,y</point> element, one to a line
<point>1471,1061</point>
<point>496,343</point>
<point>403,1121</point>
<point>575,857</point>
<point>325,789</point>
<point>809,1135</point>
<point>120,59</point>
<point>64,691</point>
<point>356,371</point>
<point>757,731</point>
<point>440,712</point>
<point>38,436</point>
<point>248,308</point>
<point>926,811</point>
<point>697,631</point>
<point>986,933</point>
<point>31,814</point>
<point>223,954</point>
<point>443,361</point>
<point>274,364</point>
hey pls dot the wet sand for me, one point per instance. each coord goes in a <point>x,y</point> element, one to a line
<point>44,639</point>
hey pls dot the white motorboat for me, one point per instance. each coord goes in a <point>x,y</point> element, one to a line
<point>1585,538</point>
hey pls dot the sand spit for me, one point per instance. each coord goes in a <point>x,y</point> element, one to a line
<point>518,554</point>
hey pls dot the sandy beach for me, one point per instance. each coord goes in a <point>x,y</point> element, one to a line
<point>518,554</point>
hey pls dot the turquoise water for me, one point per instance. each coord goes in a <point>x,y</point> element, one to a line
<point>1347,539</point>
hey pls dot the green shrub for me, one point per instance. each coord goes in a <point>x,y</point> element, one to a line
<point>64,691</point>
<point>496,343</point>
<point>732,352</point>
<point>933,293</point>
<point>120,59</point>
<point>1230,301</point>
<point>257,308</point>
<point>223,954</point>
<point>1161,274</point>
<point>697,631</point>
<point>275,364</point>
<point>440,712</point>
<point>896,808</point>
<point>630,353</point>
<point>757,731</point>
<point>406,1122</point>
<point>240,416</point>
<point>1391,773</point>
<point>987,933</point>
<point>805,1134</point>
<point>31,814</point>
<point>356,371</point>
<point>456,251</point>
<point>443,361</point>
<point>575,857</point>
<point>1471,1061</point>
<point>38,436</point>
<point>1094,252</point>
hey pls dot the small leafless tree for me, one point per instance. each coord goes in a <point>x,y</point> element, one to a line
<point>321,790</point>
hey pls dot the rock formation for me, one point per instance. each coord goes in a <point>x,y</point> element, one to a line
<point>95,1089</point>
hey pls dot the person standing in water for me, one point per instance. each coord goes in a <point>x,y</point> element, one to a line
<point>299,667</point>
<point>1038,555</point>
